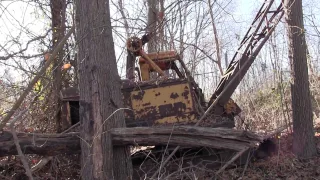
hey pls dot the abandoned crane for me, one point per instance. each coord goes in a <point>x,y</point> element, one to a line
<point>160,101</point>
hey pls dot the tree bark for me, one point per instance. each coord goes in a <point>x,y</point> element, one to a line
<point>100,94</point>
<point>303,132</point>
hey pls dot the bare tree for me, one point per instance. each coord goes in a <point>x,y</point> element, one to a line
<point>303,143</point>
<point>100,94</point>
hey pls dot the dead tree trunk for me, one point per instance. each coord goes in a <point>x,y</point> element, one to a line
<point>100,94</point>
<point>303,133</point>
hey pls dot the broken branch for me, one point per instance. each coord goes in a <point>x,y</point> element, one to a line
<point>16,142</point>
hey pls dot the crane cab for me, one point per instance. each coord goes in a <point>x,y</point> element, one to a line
<point>163,101</point>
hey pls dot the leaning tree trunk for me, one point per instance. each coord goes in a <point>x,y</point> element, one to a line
<point>100,96</point>
<point>303,133</point>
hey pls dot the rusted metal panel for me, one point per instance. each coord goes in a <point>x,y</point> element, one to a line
<point>169,102</point>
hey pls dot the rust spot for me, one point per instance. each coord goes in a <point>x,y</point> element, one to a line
<point>148,113</point>
<point>139,96</point>
<point>185,93</point>
<point>146,104</point>
<point>180,108</point>
<point>177,109</point>
<point>174,95</point>
<point>166,110</point>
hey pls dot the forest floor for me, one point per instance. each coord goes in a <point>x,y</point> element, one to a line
<point>282,165</point>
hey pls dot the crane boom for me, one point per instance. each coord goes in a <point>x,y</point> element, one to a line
<point>259,32</point>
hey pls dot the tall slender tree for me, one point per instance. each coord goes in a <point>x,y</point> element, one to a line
<point>216,39</point>
<point>303,133</point>
<point>58,20</point>
<point>100,96</point>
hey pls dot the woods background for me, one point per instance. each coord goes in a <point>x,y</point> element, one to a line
<point>205,35</point>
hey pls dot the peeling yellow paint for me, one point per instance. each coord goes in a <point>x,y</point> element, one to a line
<point>168,104</point>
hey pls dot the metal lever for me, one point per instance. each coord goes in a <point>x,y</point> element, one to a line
<point>134,44</point>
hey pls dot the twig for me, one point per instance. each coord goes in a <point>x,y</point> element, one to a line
<point>165,151</point>
<point>73,126</point>
<point>16,142</point>
<point>246,166</point>
<point>279,130</point>
<point>232,160</point>
<point>41,163</point>
<point>35,79</point>
<point>278,152</point>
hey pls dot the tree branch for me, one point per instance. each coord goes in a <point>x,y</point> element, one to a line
<point>24,49</point>
<point>16,142</point>
<point>35,79</point>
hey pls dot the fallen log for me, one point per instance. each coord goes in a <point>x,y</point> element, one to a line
<point>218,138</point>
<point>41,144</point>
<point>69,143</point>
<point>222,133</point>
